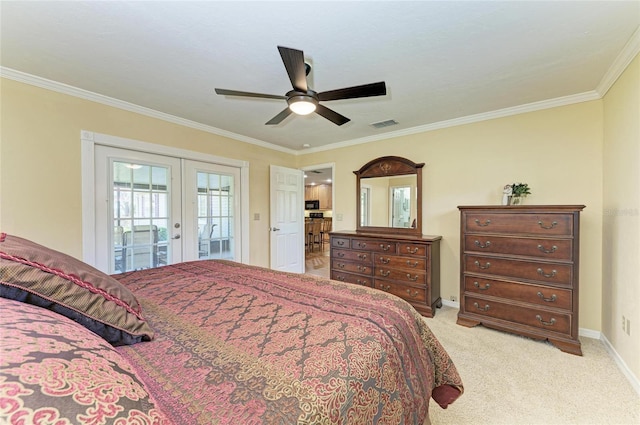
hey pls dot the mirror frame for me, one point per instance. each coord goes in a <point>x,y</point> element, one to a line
<point>388,166</point>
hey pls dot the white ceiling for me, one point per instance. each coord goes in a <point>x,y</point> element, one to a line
<point>441,61</point>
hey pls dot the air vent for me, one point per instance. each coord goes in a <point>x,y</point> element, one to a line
<point>381,124</point>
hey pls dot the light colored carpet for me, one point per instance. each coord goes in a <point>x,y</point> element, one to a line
<point>509,379</point>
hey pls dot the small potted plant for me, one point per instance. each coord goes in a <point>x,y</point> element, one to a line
<point>519,191</point>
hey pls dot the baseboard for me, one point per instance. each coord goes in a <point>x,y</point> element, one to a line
<point>633,380</point>
<point>454,304</point>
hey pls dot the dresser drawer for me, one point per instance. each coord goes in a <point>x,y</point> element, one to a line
<point>412,249</point>
<point>349,266</point>
<point>534,294</point>
<point>396,262</point>
<point>351,278</point>
<point>360,256</point>
<point>532,270</point>
<point>337,242</point>
<point>374,245</point>
<point>530,316</point>
<point>520,223</point>
<point>416,277</point>
<point>553,249</point>
<point>407,292</point>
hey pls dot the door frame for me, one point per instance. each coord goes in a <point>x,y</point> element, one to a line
<point>88,141</point>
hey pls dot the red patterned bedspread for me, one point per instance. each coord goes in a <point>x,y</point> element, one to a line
<point>238,344</point>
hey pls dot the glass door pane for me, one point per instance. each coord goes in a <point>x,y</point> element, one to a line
<point>215,214</point>
<point>140,216</point>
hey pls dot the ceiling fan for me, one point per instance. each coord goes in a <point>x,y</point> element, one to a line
<point>302,100</point>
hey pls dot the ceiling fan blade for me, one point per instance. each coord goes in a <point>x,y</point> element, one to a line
<point>294,63</point>
<point>278,118</point>
<point>332,116</point>
<point>366,90</point>
<point>226,92</point>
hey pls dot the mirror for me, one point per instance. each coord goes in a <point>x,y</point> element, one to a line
<point>389,190</point>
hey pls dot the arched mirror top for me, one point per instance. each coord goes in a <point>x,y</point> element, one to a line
<point>389,194</point>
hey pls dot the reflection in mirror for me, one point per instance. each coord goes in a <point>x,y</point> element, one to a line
<point>388,201</point>
<point>389,196</point>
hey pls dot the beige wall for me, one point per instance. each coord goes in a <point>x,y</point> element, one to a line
<point>558,152</point>
<point>621,215</point>
<point>40,168</point>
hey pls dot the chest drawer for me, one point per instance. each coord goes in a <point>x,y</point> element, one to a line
<point>362,257</point>
<point>351,278</point>
<point>396,262</point>
<point>407,292</point>
<point>553,249</point>
<point>374,245</point>
<point>532,270</point>
<point>547,224</point>
<point>349,266</point>
<point>550,321</point>
<point>533,294</point>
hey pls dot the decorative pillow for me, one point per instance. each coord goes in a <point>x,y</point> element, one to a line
<point>37,275</point>
<point>54,371</point>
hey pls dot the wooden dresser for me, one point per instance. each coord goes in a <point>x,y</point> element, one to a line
<point>519,271</point>
<point>406,266</point>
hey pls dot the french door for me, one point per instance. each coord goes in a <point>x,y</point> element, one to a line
<point>153,210</point>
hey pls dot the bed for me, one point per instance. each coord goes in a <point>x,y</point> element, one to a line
<point>208,342</point>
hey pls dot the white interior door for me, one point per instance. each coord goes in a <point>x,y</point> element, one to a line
<point>137,209</point>
<point>287,219</point>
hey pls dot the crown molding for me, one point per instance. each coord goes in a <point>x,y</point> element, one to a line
<point>485,116</point>
<point>622,61</point>
<point>44,83</point>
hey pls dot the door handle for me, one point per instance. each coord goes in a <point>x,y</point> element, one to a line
<point>176,237</point>
<point>275,229</point>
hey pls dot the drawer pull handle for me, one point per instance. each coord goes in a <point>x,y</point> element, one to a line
<point>340,278</point>
<point>340,243</point>
<point>362,244</point>
<point>413,279</point>
<point>361,282</point>
<point>480,245</point>
<point>413,294</point>
<point>385,260</point>
<point>410,264</point>
<point>486,223</point>
<point>362,269</point>
<point>485,308</point>
<point>542,273</point>
<point>549,323</point>
<point>413,250</point>
<point>340,254</point>
<point>362,256</point>
<point>486,266</point>
<point>384,287</point>
<point>549,300</point>
<point>385,248</point>
<point>341,265</point>
<point>486,286</point>
<point>385,273</point>
<point>553,224</point>
<point>547,251</point>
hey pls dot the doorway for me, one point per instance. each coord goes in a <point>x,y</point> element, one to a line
<point>319,207</point>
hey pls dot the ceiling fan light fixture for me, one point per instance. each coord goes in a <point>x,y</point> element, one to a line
<point>302,104</point>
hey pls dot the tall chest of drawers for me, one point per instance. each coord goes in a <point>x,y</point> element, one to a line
<point>406,266</point>
<point>519,271</point>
